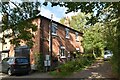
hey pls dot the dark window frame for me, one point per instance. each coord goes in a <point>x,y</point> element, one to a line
<point>62,52</point>
<point>77,36</point>
<point>54,29</point>
<point>67,35</point>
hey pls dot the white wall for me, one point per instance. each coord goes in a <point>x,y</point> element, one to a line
<point>5,46</point>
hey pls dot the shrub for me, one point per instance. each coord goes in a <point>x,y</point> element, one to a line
<point>67,67</point>
<point>73,66</point>
<point>39,62</point>
<point>76,65</point>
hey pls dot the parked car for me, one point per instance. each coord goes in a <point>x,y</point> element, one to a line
<point>107,55</point>
<point>15,65</point>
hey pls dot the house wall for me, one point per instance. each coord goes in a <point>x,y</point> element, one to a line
<point>4,47</point>
<point>45,24</point>
<point>70,44</point>
<point>36,47</point>
<point>41,40</point>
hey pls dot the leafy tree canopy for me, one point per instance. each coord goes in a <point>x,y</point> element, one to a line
<point>107,13</point>
<point>15,19</point>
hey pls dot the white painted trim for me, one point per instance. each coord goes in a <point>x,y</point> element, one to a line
<point>62,56</point>
<point>62,47</point>
<point>77,49</point>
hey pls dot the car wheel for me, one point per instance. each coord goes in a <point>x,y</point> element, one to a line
<point>9,72</point>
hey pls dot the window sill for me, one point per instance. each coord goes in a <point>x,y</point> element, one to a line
<point>62,56</point>
<point>67,37</point>
<point>54,34</point>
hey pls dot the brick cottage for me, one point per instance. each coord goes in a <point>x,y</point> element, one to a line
<point>64,40</point>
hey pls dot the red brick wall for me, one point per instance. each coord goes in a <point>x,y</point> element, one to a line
<point>70,44</point>
<point>36,46</point>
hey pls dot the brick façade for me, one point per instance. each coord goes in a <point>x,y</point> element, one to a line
<point>41,40</point>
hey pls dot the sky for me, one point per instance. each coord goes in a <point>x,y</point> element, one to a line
<point>57,11</point>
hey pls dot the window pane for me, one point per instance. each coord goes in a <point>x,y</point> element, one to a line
<point>77,37</point>
<point>22,60</point>
<point>67,32</point>
<point>54,28</point>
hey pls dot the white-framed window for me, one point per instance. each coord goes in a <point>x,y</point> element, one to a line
<point>78,49</point>
<point>54,29</point>
<point>76,36</point>
<point>68,55</point>
<point>67,33</point>
<point>62,52</point>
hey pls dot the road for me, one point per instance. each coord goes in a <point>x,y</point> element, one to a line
<point>32,76</point>
<point>99,69</point>
<point>1,74</point>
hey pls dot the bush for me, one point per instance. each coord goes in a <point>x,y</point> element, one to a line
<point>39,62</point>
<point>89,56</point>
<point>76,65</point>
<point>67,67</point>
<point>73,66</point>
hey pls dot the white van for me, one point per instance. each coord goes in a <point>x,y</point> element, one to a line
<point>107,54</point>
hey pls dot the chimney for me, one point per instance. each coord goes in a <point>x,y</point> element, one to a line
<point>67,21</point>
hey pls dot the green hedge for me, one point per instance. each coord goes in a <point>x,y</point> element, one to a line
<point>76,65</point>
<point>39,62</point>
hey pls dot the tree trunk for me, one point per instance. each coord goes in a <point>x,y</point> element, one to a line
<point>94,53</point>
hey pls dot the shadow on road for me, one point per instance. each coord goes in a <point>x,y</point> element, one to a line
<point>99,69</point>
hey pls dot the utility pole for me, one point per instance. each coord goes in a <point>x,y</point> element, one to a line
<point>1,40</point>
<point>50,39</point>
<point>1,36</point>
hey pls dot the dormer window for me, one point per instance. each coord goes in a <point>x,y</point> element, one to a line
<point>54,29</point>
<point>67,33</point>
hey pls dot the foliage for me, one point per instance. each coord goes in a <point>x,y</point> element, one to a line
<point>106,13</point>
<point>15,18</point>
<point>78,22</point>
<point>39,62</point>
<point>94,38</point>
<point>62,20</point>
<point>93,34</point>
<point>74,65</point>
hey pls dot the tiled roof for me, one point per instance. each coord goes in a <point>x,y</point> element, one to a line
<point>56,23</point>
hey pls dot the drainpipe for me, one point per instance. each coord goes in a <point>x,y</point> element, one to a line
<point>1,40</point>
<point>50,39</point>
<point>42,36</point>
<point>1,31</point>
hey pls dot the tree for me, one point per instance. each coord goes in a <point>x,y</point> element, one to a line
<point>94,39</point>
<point>17,20</point>
<point>93,34</point>
<point>62,20</point>
<point>79,21</point>
<point>105,12</point>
